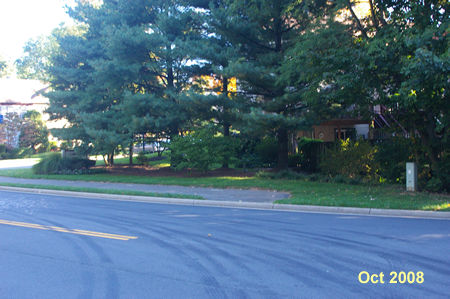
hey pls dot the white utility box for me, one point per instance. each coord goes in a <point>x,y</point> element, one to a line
<point>411,176</point>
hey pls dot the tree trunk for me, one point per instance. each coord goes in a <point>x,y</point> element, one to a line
<point>226,134</point>
<point>430,142</point>
<point>415,147</point>
<point>111,158</point>
<point>170,74</point>
<point>282,134</point>
<point>278,27</point>
<point>226,125</point>
<point>283,142</point>
<point>131,153</point>
<point>381,15</point>
<point>226,129</point>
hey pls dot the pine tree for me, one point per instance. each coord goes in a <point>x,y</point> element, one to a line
<point>157,100</point>
<point>130,73</point>
<point>262,31</point>
<point>215,91</point>
<point>78,94</point>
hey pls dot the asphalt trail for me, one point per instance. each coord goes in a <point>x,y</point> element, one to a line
<point>207,193</point>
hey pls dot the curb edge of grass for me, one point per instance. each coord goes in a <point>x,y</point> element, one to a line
<point>240,204</point>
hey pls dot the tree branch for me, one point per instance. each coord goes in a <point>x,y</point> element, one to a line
<point>374,16</point>
<point>256,43</point>
<point>381,17</point>
<point>358,22</point>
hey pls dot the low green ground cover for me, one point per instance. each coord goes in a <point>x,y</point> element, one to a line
<point>302,192</point>
<point>103,191</point>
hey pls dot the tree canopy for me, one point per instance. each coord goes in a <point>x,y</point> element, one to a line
<point>33,132</point>
<point>4,67</point>
<point>162,68</point>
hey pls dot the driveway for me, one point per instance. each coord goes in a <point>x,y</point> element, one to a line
<point>18,163</point>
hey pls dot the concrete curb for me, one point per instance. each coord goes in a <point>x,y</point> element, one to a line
<point>240,204</point>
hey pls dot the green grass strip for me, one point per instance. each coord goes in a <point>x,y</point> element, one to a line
<point>102,191</point>
<point>302,192</point>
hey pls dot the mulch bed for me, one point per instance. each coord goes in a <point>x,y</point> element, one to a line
<point>140,170</point>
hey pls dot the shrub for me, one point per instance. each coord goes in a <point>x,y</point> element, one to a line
<point>434,185</point>
<point>52,146</point>
<point>253,152</point>
<point>248,160</point>
<point>76,163</point>
<point>295,160</point>
<point>48,165</point>
<point>309,153</point>
<point>267,151</point>
<point>7,152</point>
<point>3,152</point>
<point>54,163</point>
<point>392,156</point>
<point>284,174</point>
<point>142,158</point>
<point>315,177</point>
<point>444,171</point>
<point>246,156</point>
<point>199,150</point>
<point>350,159</point>
<point>341,179</point>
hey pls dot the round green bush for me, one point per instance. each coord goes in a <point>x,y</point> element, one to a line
<point>54,163</point>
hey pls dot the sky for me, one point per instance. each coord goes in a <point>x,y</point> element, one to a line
<point>21,20</point>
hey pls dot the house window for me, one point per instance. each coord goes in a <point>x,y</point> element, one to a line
<point>346,133</point>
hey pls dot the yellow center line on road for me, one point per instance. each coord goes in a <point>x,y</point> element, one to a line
<point>68,230</point>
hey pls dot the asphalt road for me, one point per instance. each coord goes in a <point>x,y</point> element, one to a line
<point>62,247</point>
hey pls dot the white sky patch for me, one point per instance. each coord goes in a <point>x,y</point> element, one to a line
<point>21,20</point>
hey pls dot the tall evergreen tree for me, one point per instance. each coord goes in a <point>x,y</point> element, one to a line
<point>215,91</point>
<point>134,62</point>
<point>76,94</point>
<point>262,32</point>
<point>157,102</point>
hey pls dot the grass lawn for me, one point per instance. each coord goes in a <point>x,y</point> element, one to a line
<point>303,192</point>
<point>103,191</point>
<point>126,160</point>
<point>117,160</point>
